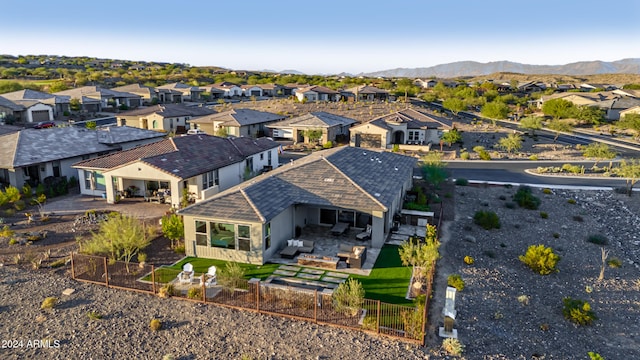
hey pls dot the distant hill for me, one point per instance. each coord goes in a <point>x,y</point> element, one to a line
<point>473,68</point>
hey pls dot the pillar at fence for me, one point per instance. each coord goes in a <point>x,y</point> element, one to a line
<point>256,283</point>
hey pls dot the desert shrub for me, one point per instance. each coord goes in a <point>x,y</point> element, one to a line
<point>502,197</point>
<point>598,239</point>
<point>94,315</point>
<point>523,299</point>
<point>13,241</point>
<point>462,182</point>
<point>510,205</point>
<point>452,346</point>
<point>19,205</point>
<point>194,293</point>
<point>468,260</point>
<point>533,157</point>
<point>487,219</point>
<point>49,303</point>
<point>328,145</point>
<point>540,259</point>
<point>556,235</point>
<point>58,263</point>
<point>547,191</point>
<point>455,280</point>
<point>12,194</point>
<point>9,212</point>
<point>594,356</point>
<point>6,232</point>
<point>484,155</point>
<point>348,297</point>
<point>155,325</point>
<point>544,215</point>
<point>614,262</point>
<point>166,291</point>
<point>578,218</point>
<point>465,155</point>
<point>571,201</point>
<point>370,323</point>
<point>179,249</point>
<point>232,276</point>
<point>142,257</point>
<point>578,311</point>
<point>524,198</point>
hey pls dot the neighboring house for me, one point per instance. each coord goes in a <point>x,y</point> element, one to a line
<point>31,155</point>
<point>252,222</point>
<point>150,95</point>
<point>236,122</point>
<point>251,90</point>
<point>106,99</point>
<point>229,89</point>
<point>316,93</point>
<point>270,89</point>
<point>628,92</point>
<point>165,117</point>
<point>331,125</point>
<point>26,111</point>
<point>60,103</point>
<point>211,92</point>
<point>531,86</point>
<point>202,164</point>
<point>426,84</point>
<point>189,93</point>
<point>613,108</point>
<point>580,98</point>
<point>592,87</point>
<point>409,126</point>
<point>365,93</point>
<point>631,110</point>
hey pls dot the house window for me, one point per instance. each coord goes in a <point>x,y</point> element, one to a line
<point>249,164</point>
<point>327,216</point>
<point>210,179</point>
<point>56,168</point>
<point>201,233</point>
<point>414,136</point>
<point>223,235</point>
<point>346,216</point>
<point>269,158</point>
<point>267,236</point>
<point>154,124</point>
<point>171,124</point>
<point>261,156</point>
<point>244,237</point>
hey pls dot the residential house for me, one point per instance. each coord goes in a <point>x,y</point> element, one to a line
<point>594,87</point>
<point>251,90</point>
<point>406,127</point>
<point>236,122</point>
<point>614,108</point>
<point>211,92</point>
<point>152,95</point>
<point>628,92</point>
<point>26,111</point>
<point>631,110</point>
<point>252,221</point>
<point>32,155</point>
<point>364,93</point>
<point>189,93</point>
<point>271,89</point>
<point>426,84</point>
<point>162,117</point>
<point>95,99</point>
<point>316,93</point>
<point>60,103</point>
<point>202,164</point>
<point>229,89</point>
<point>580,98</point>
<point>332,126</point>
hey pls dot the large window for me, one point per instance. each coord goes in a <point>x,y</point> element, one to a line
<point>346,216</point>
<point>201,233</point>
<point>223,235</point>
<point>210,179</point>
<point>327,216</point>
<point>244,237</point>
<point>414,135</point>
<point>267,236</point>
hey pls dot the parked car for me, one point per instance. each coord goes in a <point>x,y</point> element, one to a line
<point>44,125</point>
<point>195,132</point>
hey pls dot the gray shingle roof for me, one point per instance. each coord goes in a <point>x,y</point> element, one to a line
<point>167,110</point>
<point>10,104</point>
<point>337,177</point>
<point>239,117</point>
<point>28,94</point>
<point>318,119</point>
<point>414,119</point>
<point>96,91</point>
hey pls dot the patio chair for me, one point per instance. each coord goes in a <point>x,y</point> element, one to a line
<point>210,277</point>
<point>186,275</point>
<point>365,234</point>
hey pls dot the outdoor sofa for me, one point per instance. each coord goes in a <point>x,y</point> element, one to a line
<point>296,246</point>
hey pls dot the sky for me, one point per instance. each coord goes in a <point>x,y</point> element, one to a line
<point>324,37</point>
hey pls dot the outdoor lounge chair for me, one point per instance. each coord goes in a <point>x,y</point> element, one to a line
<point>210,277</point>
<point>366,234</point>
<point>186,275</point>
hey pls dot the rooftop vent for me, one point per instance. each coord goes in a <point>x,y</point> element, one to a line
<point>329,180</point>
<point>376,194</point>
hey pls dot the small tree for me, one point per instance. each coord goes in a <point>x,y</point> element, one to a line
<point>74,104</point>
<point>222,132</point>
<point>421,256</point>
<point>532,123</point>
<point>558,108</point>
<point>173,228</point>
<point>598,151</point>
<point>433,168</point>
<point>314,135</point>
<point>232,276</point>
<point>558,126</point>
<point>348,297</point>
<point>495,110</point>
<point>511,143</point>
<point>630,122</point>
<point>452,136</point>
<point>454,104</point>
<point>631,171</point>
<point>91,125</point>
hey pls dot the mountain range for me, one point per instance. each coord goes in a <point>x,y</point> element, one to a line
<point>473,68</point>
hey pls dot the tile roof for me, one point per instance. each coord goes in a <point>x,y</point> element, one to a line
<point>319,119</point>
<point>364,89</point>
<point>94,91</point>
<point>414,119</point>
<point>28,94</point>
<point>318,89</point>
<point>238,117</point>
<point>4,102</point>
<point>185,156</point>
<point>167,110</point>
<point>338,177</point>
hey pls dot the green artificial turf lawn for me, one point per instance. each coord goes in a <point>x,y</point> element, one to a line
<point>201,266</point>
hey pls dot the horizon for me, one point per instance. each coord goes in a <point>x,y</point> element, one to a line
<point>324,41</point>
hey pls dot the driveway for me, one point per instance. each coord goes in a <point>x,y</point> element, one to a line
<point>79,204</point>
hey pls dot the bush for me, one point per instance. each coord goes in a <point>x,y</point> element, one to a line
<point>26,191</point>
<point>484,155</point>
<point>574,169</point>
<point>465,155</point>
<point>166,291</point>
<point>525,199</point>
<point>348,297</point>
<point>487,219</point>
<point>455,280</point>
<point>544,215</point>
<point>556,235</point>
<point>12,193</point>
<point>578,311</point>
<point>328,145</point>
<point>194,293</point>
<point>13,241</point>
<point>58,263</point>
<point>540,259</point>
<point>462,182</point>
<point>614,262</point>
<point>6,232</point>
<point>571,201</point>
<point>533,157</point>
<point>155,325</point>
<point>510,205</point>
<point>49,303</point>
<point>452,346</point>
<point>94,315</point>
<point>468,260</point>
<point>578,218</point>
<point>547,191</point>
<point>598,239</point>
<point>231,277</point>
<point>19,205</point>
